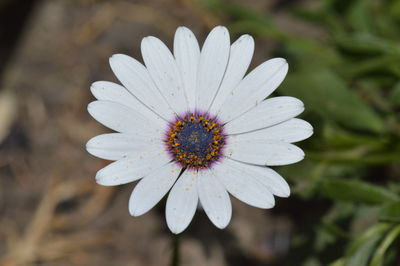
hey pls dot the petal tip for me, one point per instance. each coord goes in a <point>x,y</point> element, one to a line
<point>114,60</point>
<point>175,233</point>
<point>281,61</point>
<point>219,30</point>
<point>221,225</point>
<point>99,180</point>
<point>183,29</point>
<point>113,57</point>
<point>97,83</point>
<point>246,37</point>
<point>90,106</point>
<point>134,210</point>
<point>174,228</point>
<point>88,144</point>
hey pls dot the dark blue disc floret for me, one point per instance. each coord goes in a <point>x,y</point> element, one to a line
<point>195,141</point>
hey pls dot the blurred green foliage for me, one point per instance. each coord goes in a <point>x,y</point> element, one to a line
<point>348,76</point>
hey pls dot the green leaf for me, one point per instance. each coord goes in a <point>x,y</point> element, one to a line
<point>376,230</point>
<point>362,42</point>
<point>391,212</point>
<point>395,94</point>
<point>379,256</point>
<point>394,10</point>
<point>364,252</point>
<point>355,190</point>
<point>339,262</point>
<point>327,94</point>
<point>338,138</point>
<point>359,15</point>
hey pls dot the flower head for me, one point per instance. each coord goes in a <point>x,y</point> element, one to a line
<point>192,124</point>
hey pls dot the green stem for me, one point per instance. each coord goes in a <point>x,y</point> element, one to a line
<point>175,260</point>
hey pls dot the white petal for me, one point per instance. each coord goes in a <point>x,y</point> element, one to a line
<point>135,77</point>
<point>164,71</point>
<point>244,186</point>
<point>263,152</point>
<point>240,56</point>
<point>182,202</point>
<point>290,131</point>
<point>152,188</point>
<point>120,118</point>
<point>109,91</point>
<point>115,146</point>
<point>131,168</point>
<point>265,177</point>
<point>212,65</point>
<point>254,88</point>
<point>268,113</point>
<point>187,54</point>
<point>214,199</point>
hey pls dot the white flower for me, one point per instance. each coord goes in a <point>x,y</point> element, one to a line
<point>190,123</point>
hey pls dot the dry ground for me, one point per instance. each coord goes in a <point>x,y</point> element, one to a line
<point>52,211</point>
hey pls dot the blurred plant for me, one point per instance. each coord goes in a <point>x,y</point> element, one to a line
<point>349,78</point>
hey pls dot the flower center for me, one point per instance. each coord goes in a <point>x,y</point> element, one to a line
<point>195,140</point>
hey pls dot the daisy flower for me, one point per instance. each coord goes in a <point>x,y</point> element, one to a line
<point>192,124</point>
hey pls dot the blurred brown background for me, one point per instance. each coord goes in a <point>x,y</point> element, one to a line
<point>52,211</point>
<point>344,210</point>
